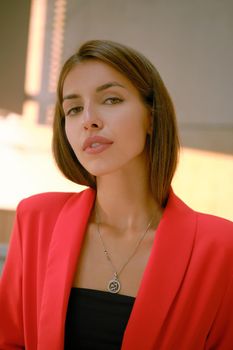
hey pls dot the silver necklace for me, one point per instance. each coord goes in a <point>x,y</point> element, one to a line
<point>114,284</point>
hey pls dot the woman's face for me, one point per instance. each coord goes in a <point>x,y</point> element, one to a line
<point>106,121</point>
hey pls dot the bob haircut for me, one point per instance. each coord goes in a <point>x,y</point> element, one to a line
<point>163,142</point>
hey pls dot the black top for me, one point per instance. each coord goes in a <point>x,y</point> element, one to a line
<point>96,320</point>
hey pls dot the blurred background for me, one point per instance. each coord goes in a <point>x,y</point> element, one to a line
<point>190,43</point>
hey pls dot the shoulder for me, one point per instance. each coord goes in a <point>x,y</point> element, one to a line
<point>206,224</point>
<point>44,201</point>
<point>216,235</point>
<point>49,202</point>
<point>215,226</point>
<point>211,231</point>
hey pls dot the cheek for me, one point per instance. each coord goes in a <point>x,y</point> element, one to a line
<point>71,133</point>
<point>132,140</point>
<point>67,131</point>
<point>135,130</point>
<point>68,136</point>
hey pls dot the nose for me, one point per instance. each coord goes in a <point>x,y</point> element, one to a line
<point>91,120</point>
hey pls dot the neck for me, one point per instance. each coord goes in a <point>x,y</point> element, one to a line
<point>125,202</point>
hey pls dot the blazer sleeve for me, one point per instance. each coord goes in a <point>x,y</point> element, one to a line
<point>221,334</point>
<point>11,319</point>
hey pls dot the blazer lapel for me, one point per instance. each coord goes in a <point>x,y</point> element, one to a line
<point>64,251</point>
<point>162,277</point>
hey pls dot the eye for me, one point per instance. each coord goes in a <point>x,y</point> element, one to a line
<point>113,100</point>
<point>74,110</point>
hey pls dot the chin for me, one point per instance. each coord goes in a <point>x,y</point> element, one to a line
<point>98,166</point>
<point>99,172</point>
<point>101,169</point>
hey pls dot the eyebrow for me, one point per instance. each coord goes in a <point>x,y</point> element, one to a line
<point>98,89</point>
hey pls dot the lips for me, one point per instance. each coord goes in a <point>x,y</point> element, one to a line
<point>94,142</point>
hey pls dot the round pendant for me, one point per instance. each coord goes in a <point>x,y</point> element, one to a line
<point>114,286</point>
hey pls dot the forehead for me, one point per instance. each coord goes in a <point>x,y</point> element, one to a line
<point>93,73</point>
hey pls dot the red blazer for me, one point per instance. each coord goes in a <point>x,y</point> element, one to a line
<point>185,300</point>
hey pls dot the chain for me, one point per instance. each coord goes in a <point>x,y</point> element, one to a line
<point>116,274</point>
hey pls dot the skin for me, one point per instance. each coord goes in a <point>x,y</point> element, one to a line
<point>124,201</point>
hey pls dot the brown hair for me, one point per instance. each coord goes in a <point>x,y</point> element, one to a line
<point>163,143</point>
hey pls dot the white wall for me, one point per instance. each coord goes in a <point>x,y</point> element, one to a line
<point>191,44</point>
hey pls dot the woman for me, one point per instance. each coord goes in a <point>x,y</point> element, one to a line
<point>124,264</point>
